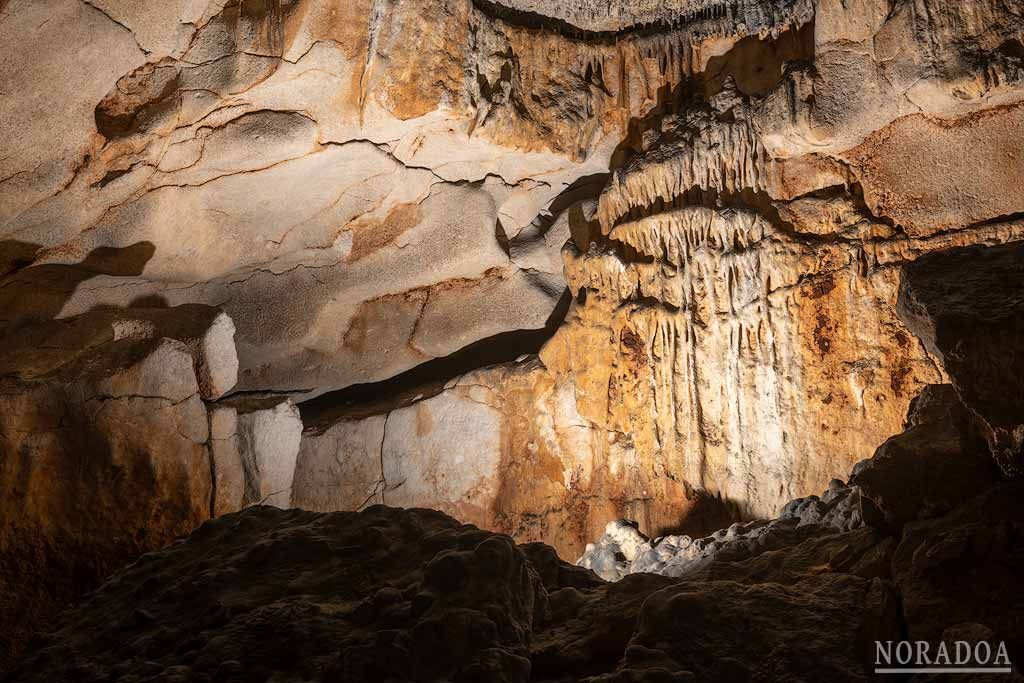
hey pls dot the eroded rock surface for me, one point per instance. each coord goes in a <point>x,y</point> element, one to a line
<point>111,446</point>
<point>937,465</point>
<point>410,595</point>
<point>730,192</point>
<point>414,595</point>
<point>372,596</point>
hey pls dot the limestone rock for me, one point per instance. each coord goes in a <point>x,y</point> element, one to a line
<point>623,550</point>
<point>266,439</point>
<point>414,595</point>
<point>102,458</point>
<point>831,625</point>
<point>931,468</point>
<point>741,183</point>
<point>38,347</point>
<point>229,480</point>
<point>967,307</point>
<point>935,466</point>
<point>965,568</point>
<point>613,555</point>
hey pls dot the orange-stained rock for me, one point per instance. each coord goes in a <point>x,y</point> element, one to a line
<point>102,458</point>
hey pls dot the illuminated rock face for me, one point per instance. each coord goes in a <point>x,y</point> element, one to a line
<point>734,325</point>
<point>365,187</point>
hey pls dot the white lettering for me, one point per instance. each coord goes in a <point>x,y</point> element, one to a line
<point>922,652</point>
<point>1002,658</point>
<point>883,650</point>
<point>978,659</point>
<point>904,652</point>
<point>963,652</point>
<point>943,656</point>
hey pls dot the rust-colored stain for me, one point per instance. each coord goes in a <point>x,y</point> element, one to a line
<point>632,342</point>
<point>369,236</point>
<point>372,315</point>
<point>424,420</point>
<point>898,379</point>
<point>822,330</point>
<point>821,287</point>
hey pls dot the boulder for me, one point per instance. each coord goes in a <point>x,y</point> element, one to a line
<point>822,628</point>
<point>412,595</point>
<point>965,568</point>
<point>385,594</point>
<point>931,468</point>
<point>967,307</point>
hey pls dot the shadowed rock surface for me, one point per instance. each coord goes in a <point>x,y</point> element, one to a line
<point>391,594</point>
<point>413,595</point>
<point>967,306</point>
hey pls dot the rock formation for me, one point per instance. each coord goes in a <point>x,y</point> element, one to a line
<point>538,265</point>
<point>391,594</point>
<point>967,306</point>
<point>733,327</point>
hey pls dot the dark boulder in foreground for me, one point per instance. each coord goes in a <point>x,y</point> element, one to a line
<point>409,595</point>
<point>412,595</point>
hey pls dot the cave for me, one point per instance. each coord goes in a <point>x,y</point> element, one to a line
<point>511,340</point>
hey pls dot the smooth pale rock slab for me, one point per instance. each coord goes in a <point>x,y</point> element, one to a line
<point>268,434</point>
<point>226,460</point>
<point>444,452</point>
<point>339,468</point>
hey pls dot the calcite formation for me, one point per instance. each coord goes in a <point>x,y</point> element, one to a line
<point>937,465</point>
<point>540,265</point>
<point>735,283</point>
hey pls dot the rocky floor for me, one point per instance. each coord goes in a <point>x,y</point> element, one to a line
<point>392,594</point>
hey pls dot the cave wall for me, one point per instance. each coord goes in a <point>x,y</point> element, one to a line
<point>733,327</point>
<point>365,187</point>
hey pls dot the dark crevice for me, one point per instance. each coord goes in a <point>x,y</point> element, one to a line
<point>429,379</point>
